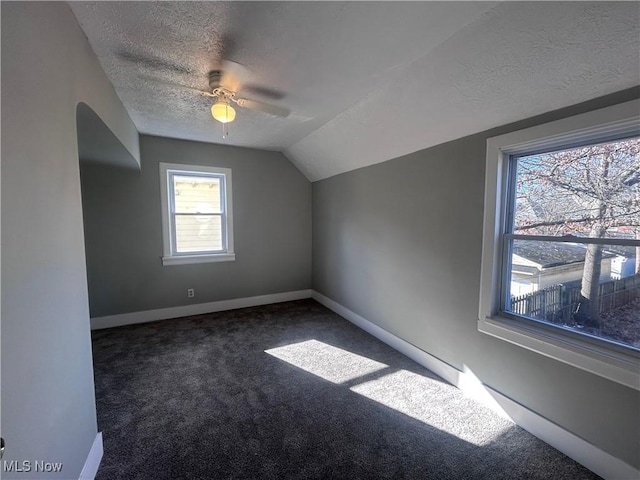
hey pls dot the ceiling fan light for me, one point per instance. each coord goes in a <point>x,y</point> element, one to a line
<point>223,112</point>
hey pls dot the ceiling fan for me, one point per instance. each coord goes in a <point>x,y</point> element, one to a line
<point>224,88</point>
<point>225,82</point>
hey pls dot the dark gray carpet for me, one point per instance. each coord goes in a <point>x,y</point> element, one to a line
<point>200,398</point>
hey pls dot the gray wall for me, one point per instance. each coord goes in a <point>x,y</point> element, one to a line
<point>48,405</point>
<point>123,230</point>
<point>400,242</point>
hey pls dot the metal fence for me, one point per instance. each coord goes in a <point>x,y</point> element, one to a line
<point>557,303</point>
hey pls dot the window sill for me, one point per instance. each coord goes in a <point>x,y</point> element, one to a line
<point>190,259</point>
<point>614,365</point>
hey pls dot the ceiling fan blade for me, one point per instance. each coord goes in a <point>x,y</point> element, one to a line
<point>152,62</point>
<point>229,75</point>
<point>176,85</point>
<point>263,107</point>
<point>226,47</point>
<point>266,92</point>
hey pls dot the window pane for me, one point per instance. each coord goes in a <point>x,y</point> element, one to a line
<point>198,233</point>
<point>194,194</point>
<point>593,289</point>
<point>591,191</point>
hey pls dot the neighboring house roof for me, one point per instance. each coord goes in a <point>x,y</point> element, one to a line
<point>622,250</point>
<point>547,255</point>
<point>625,233</point>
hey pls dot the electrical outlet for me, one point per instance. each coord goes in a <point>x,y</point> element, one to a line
<point>191,293</point>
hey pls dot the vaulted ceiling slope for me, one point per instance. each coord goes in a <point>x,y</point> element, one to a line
<point>365,81</point>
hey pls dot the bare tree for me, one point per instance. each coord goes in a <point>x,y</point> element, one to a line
<point>585,191</point>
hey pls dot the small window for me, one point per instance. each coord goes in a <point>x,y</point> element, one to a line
<point>560,266</point>
<point>197,217</point>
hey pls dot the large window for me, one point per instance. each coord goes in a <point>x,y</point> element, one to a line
<point>196,214</point>
<point>561,263</point>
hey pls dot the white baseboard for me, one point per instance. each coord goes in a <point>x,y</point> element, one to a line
<point>592,457</point>
<point>92,463</point>
<point>98,323</point>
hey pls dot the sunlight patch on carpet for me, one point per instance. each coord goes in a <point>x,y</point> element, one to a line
<point>429,401</point>
<point>412,394</point>
<point>326,361</point>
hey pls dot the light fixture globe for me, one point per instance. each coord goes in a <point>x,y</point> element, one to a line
<point>223,112</point>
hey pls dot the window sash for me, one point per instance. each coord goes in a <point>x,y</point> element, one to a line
<point>631,242</point>
<point>174,234</point>
<point>506,257</point>
<point>171,174</point>
<point>505,298</point>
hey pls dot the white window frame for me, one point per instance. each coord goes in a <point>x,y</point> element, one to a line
<point>617,364</point>
<point>170,256</point>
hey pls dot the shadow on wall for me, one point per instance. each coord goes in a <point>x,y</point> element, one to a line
<point>97,143</point>
<point>99,147</point>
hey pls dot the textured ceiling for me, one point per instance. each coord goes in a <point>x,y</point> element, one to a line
<point>365,81</point>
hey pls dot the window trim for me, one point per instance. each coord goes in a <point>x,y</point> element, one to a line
<point>595,357</point>
<point>173,258</point>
